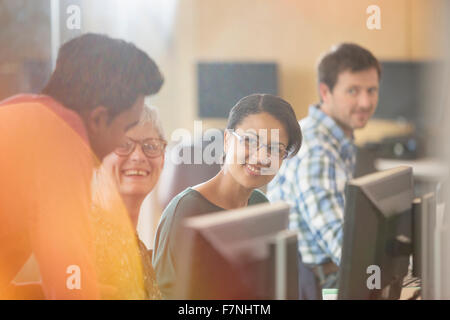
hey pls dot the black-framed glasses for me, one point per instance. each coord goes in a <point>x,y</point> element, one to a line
<point>152,147</point>
<point>253,144</point>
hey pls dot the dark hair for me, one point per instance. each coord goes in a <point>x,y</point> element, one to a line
<point>93,70</point>
<point>343,57</point>
<point>275,106</point>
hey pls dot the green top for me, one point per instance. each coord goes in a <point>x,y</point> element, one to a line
<point>187,204</point>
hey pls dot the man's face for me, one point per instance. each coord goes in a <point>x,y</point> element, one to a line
<point>353,100</point>
<point>105,134</point>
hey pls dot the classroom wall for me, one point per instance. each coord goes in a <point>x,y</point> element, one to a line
<point>295,32</point>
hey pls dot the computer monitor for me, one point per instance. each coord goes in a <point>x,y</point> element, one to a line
<point>239,254</point>
<point>220,83</point>
<point>408,89</point>
<point>377,235</point>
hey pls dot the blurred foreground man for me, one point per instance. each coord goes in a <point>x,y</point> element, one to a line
<point>313,182</point>
<point>50,144</point>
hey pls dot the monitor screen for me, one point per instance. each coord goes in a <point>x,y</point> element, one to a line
<point>408,89</point>
<point>222,84</point>
<point>377,235</point>
<point>236,255</point>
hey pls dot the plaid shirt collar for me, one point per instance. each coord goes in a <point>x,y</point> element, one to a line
<point>344,144</point>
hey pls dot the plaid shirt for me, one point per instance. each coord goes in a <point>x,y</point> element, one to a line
<point>313,184</point>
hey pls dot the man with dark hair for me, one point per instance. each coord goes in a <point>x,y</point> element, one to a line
<point>313,182</point>
<point>100,78</point>
<point>50,145</point>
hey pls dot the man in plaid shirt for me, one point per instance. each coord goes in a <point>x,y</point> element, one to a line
<point>313,182</point>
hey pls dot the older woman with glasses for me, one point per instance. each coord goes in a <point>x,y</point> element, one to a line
<point>262,131</point>
<point>138,161</point>
<point>133,169</point>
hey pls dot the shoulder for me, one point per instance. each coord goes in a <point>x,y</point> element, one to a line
<point>171,216</point>
<point>257,196</point>
<point>186,204</point>
<point>184,198</point>
<point>317,143</point>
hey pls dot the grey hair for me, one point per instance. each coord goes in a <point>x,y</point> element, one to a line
<point>150,115</point>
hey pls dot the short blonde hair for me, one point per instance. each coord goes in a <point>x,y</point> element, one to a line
<point>150,115</point>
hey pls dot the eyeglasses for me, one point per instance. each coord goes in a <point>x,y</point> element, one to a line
<point>152,148</point>
<point>253,144</point>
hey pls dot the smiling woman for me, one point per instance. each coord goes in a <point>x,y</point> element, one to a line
<point>262,131</point>
<point>137,163</point>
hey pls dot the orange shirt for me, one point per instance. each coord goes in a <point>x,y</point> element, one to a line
<point>46,167</point>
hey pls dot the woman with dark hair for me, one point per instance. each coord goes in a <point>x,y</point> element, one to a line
<point>262,131</point>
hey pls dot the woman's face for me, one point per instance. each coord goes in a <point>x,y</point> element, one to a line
<point>254,152</point>
<point>136,174</point>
